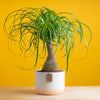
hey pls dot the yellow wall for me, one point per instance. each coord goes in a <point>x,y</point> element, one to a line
<point>86,72</point>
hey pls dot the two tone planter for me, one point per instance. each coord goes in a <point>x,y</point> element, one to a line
<point>49,83</point>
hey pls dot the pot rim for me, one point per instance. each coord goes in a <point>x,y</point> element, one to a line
<point>61,71</point>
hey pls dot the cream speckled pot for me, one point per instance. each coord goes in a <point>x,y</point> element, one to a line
<point>54,84</point>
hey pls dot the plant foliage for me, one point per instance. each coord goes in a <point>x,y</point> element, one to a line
<point>46,25</point>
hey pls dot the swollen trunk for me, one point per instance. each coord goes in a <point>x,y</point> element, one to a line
<point>51,63</point>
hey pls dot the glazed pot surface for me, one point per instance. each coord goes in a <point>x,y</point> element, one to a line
<point>49,83</point>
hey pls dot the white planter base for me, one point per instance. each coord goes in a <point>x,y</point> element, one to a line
<point>49,92</point>
<point>53,85</point>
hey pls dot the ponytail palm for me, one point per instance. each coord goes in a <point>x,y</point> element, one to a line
<point>46,25</point>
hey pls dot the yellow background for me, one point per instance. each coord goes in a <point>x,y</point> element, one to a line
<point>85,72</point>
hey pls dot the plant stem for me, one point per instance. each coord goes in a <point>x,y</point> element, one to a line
<point>50,63</point>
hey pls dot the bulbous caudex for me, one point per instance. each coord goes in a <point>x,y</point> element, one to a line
<point>50,63</point>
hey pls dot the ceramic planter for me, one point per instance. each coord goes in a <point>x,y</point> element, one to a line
<point>49,83</point>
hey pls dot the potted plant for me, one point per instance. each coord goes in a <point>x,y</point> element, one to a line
<point>43,24</point>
